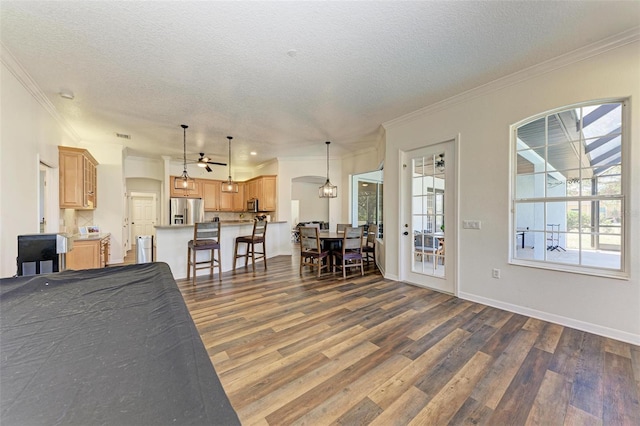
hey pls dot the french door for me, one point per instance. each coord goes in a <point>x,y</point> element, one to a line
<point>429,219</point>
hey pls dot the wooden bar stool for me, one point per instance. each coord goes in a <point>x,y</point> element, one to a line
<point>258,236</point>
<point>206,236</point>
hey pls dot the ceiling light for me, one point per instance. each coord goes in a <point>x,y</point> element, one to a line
<point>229,185</point>
<point>67,94</point>
<point>184,182</point>
<point>328,190</point>
<point>253,153</point>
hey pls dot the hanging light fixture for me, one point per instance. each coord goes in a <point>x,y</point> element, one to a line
<point>229,185</point>
<point>184,182</point>
<point>440,163</point>
<point>328,190</point>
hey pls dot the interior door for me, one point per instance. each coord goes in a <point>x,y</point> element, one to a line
<point>429,219</point>
<point>143,215</point>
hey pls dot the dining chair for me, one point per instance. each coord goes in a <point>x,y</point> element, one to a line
<point>369,246</point>
<point>311,253</point>
<point>340,227</point>
<point>428,245</point>
<point>351,254</point>
<point>206,236</point>
<point>258,236</point>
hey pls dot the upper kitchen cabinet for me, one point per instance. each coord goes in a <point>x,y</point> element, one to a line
<point>233,201</point>
<point>211,195</point>
<point>196,192</point>
<point>78,179</point>
<point>217,201</point>
<point>262,188</point>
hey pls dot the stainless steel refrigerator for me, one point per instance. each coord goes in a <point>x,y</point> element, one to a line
<point>186,211</point>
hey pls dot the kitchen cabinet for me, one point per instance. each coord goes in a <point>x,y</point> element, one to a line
<point>211,195</point>
<point>89,253</point>
<point>196,192</point>
<point>78,179</point>
<point>233,201</point>
<point>264,189</point>
<point>217,201</point>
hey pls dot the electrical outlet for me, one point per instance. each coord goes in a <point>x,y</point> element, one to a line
<point>495,273</point>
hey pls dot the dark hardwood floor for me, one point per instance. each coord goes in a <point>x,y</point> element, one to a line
<point>293,349</point>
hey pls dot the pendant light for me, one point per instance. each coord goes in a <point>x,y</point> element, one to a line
<point>328,190</point>
<point>184,182</point>
<point>440,163</point>
<point>229,185</point>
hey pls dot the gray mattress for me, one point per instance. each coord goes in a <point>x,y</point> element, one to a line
<point>112,346</point>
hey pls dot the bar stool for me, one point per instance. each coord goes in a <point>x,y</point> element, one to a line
<point>206,236</point>
<point>258,236</point>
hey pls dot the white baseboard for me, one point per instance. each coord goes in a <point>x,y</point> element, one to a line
<point>623,336</point>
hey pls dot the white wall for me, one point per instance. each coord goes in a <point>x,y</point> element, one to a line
<point>28,134</point>
<point>482,119</point>
<point>110,212</point>
<point>311,207</point>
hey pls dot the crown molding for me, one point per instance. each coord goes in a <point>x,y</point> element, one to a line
<point>594,49</point>
<point>18,71</point>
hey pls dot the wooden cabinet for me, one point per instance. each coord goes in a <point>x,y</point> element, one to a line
<point>217,201</point>
<point>264,189</point>
<point>78,179</point>
<point>195,192</point>
<point>268,200</point>
<point>239,204</point>
<point>211,195</point>
<point>89,254</point>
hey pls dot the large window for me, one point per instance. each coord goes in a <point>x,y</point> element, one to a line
<point>569,190</point>
<point>367,200</point>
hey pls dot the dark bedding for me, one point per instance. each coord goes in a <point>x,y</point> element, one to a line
<point>112,346</point>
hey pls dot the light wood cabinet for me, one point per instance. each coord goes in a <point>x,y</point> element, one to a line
<point>268,200</point>
<point>196,192</point>
<point>217,201</point>
<point>78,179</point>
<point>264,189</point>
<point>89,254</point>
<point>211,195</point>
<point>239,204</point>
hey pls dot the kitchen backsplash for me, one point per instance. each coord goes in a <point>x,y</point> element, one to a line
<point>72,220</point>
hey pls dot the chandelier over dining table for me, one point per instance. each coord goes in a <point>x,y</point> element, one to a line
<point>328,190</point>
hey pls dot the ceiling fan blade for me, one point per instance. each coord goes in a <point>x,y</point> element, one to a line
<point>216,163</point>
<point>207,168</point>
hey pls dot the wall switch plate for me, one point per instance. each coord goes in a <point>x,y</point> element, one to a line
<point>495,273</point>
<point>471,224</point>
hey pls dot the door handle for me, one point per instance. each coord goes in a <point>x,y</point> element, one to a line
<point>405,233</point>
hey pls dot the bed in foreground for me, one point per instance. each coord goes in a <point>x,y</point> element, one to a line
<point>105,346</point>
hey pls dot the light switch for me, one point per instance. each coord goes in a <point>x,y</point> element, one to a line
<point>471,224</point>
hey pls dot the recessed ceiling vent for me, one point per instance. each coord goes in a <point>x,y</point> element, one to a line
<point>123,136</point>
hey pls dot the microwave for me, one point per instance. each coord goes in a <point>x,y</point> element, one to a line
<point>252,205</point>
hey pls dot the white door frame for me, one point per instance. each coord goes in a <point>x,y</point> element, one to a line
<point>452,220</point>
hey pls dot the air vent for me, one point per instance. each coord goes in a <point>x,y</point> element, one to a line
<point>123,136</point>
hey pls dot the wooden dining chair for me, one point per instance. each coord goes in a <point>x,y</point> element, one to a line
<point>342,226</point>
<point>258,236</point>
<point>206,236</point>
<point>369,246</point>
<point>311,253</point>
<point>350,256</point>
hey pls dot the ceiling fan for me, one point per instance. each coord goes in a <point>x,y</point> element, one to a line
<point>204,161</point>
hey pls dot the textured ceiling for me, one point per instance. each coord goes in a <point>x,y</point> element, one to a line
<point>225,68</point>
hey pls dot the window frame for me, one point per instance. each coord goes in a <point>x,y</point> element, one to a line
<point>623,272</point>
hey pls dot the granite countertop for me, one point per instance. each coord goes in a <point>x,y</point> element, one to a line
<point>91,237</point>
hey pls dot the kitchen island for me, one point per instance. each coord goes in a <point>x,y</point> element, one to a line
<point>171,244</point>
